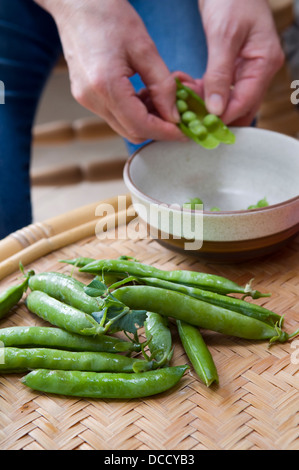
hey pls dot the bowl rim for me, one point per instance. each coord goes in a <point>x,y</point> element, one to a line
<point>132,187</point>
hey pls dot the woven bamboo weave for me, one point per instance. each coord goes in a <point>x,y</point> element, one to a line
<point>254,407</point>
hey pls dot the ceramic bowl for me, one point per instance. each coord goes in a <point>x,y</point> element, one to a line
<point>162,176</point>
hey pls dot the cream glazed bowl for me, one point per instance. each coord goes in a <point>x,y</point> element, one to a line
<point>162,176</point>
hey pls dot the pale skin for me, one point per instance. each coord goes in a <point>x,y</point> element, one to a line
<point>105,43</point>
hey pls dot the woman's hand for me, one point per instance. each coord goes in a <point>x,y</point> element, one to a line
<point>244,53</point>
<point>105,42</point>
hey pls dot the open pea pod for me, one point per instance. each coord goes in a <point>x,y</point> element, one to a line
<point>196,123</point>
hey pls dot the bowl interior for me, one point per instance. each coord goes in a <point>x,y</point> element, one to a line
<point>260,164</point>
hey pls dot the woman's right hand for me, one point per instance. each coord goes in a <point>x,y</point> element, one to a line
<point>105,42</point>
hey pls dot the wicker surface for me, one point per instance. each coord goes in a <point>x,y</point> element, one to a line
<point>254,407</point>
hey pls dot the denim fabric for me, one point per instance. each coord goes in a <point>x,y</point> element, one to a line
<point>176,28</point>
<point>29,48</point>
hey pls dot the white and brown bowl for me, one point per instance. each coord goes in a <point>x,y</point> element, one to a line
<point>261,164</point>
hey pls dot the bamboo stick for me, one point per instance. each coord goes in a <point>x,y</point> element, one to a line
<point>46,246</point>
<point>27,236</point>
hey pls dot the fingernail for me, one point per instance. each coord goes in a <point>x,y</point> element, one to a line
<point>215,104</point>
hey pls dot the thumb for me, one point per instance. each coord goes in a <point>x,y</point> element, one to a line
<point>219,75</point>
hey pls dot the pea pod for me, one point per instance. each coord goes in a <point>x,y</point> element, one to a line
<point>65,289</point>
<point>50,337</point>
<point>232,303</point>
<point>64,316</point>
<point>11,296</point>
<point>105,384</point>
<point>196,123</point>
<point>159,336</point>
<point>77,262</point>
<point>198,353</point>
<point>198,313</point>
<point>205,281</point>
<point>22,359</point>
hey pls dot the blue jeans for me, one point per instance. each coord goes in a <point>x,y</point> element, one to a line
<point>30,47</point>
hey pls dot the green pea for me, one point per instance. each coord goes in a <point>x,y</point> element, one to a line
<point>261,203</point>
<point>194,123</point>
<point>192,204</point>
<point>200,131</point>
<point>182,106</point>
<point>188,116</point>
<point>182,94</point>
<point>214,209</point>
<point>211,121</point>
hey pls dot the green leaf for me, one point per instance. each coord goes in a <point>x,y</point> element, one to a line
<point>95,288</point>
<point>121,318</point>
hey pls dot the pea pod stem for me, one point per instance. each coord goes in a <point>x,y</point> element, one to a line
<point>198,313</point>
<point>22,359</point>
<point>241,306</point>
<point>204,281</point>
<point>105,384</point>
<point>198,353</point>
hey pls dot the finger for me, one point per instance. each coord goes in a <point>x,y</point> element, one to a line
<point>218,78</point>
<point>130,111</point>
<point>196,84</point>
<point>146,60</point>
<point>248,91</point>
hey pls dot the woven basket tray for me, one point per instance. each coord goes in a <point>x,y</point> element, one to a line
<point>254,407</point>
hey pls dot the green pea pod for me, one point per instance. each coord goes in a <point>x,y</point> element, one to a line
<point>104,384</point>
<point>50,337</point>
<point>216,131</point>
<point>81,262</point>
<point>22,359</point>
<point>64,316</point>
<point>198,313</point>
<point>232,303</point>
<point>11,296</point>
<point>159,337</point>
<point>65,289</point>
<point>77,262</point>
<point>204,281</point>
<point>198,353</point>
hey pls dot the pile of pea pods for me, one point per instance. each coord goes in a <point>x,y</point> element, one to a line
<point>80,353</point>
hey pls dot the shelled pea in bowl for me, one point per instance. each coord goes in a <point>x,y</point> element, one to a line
<point>247,194</point>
